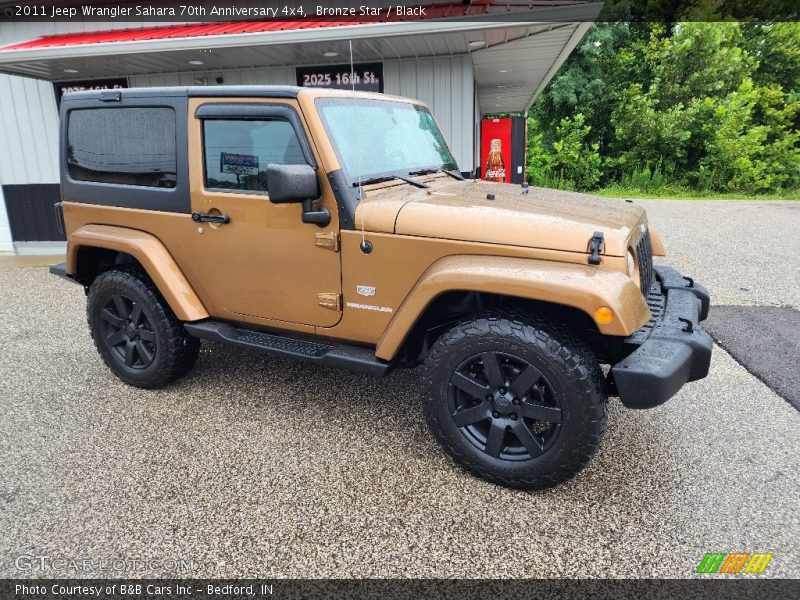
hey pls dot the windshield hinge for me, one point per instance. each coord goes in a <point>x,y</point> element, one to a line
<point>596,247</point>
<point>327,241</point>
<point>330,300</point>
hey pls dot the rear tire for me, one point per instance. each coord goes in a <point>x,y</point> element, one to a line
<point>515,399</point>
<point>135,331</point>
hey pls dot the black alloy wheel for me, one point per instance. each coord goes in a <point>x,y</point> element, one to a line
<point>504,406</point>
<point>128,333</point>
<point>135,331</point>
<point>516,398</point>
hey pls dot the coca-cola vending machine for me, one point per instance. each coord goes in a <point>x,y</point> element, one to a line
<point>503,149</point>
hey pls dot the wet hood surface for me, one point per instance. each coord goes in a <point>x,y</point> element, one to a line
<point>460,210</point>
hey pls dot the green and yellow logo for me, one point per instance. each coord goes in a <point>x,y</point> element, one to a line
<point>734,562</point>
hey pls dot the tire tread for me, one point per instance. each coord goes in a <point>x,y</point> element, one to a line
<point>562,344</point>
<point>179,350</point>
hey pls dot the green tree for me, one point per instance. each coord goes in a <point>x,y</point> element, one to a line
<point>648,135</point>
<point>750,143</point>
<point>537,158</point>
<point>711,105</point>
<point>776,47</point>
<point>696,60</point>
<point>586,83</point>
<point>571,162</point>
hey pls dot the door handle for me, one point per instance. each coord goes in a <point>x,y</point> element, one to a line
<point>199,217</point>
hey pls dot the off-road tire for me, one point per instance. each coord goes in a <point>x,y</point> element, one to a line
<point>571,372</point>
<point>175,351</point>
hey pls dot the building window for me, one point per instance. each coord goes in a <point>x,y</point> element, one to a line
<point>129,146</point>
<point>237,152</point>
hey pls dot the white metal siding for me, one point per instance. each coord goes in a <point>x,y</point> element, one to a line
<point>446,85</point>
<point>476,127</point>
<point>28,125</point>
<point>28,113</point>
<point>29,130</point>
<point>28,138</point>
<point>5,231</point>
<point>250,76</point>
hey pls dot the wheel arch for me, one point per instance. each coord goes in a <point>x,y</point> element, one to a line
<point>565,290</point>
<point>93,249</point>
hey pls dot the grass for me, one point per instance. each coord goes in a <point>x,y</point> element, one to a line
<point>682,193</point>
<point>652,183</point>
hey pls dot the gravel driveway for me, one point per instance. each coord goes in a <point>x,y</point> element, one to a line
<point>263,467</point>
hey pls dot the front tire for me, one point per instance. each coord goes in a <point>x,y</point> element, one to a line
<point>135,331</point>
<point>517,400</point>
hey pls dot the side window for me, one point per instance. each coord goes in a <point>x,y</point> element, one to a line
<point>236,152</point>
<point>130,146</point>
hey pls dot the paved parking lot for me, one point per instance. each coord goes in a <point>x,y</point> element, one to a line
<point>255,466</point>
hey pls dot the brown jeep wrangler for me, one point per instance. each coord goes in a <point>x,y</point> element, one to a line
<point>333,227</point>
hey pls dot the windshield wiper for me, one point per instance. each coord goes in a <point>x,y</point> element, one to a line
<point>437,170</point>
<point>381,178</point>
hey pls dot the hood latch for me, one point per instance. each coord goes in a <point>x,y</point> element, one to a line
<point>595,247</point>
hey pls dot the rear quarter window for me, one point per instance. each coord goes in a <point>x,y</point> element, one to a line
<point>128,146</point>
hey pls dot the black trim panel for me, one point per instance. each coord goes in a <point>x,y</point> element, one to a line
<point>30,212</point>
<point>229,91</point>
<point>244,91</point>
<point>517,150</point>
<point>346,199</point>
<point>129,196</point>
<point>341,356</point>
<point>60,270</point>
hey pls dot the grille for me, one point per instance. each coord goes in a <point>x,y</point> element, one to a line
<point>656,301</point>
<point>644,258</point>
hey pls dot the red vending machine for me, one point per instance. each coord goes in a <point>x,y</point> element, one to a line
<point>503,150</point>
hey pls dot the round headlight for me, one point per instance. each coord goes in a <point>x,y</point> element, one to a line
<point>631,262</point>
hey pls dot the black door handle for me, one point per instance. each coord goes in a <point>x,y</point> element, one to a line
<point>207,218</point>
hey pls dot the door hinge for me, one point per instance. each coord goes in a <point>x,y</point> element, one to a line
<point>330,300</point>
<point>328,241</point>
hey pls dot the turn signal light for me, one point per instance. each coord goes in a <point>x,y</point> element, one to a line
<point>604,315</point>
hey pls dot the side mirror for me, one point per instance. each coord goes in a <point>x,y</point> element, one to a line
<point>291,183</point>
<point>297,183</point>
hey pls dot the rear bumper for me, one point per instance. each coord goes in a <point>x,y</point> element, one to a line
<point>671,349</point>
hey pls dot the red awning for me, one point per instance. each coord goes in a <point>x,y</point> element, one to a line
<point>477,7</point>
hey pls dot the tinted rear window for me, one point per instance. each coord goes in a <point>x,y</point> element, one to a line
<point>130,146</point>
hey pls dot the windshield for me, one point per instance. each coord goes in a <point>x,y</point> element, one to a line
<point>374,138</point>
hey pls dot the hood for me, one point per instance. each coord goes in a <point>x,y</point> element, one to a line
<point>460,210</point>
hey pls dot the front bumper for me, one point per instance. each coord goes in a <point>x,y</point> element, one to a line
<point>671,349</point>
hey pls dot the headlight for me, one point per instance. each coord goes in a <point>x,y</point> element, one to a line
<point>631,262</point>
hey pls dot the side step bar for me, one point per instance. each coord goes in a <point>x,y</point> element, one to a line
<point>341,356</point>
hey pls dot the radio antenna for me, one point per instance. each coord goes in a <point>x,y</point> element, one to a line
<point>355,124</point>
<point>358,146</point>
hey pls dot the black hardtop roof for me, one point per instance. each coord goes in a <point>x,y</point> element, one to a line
<point>245,91</point>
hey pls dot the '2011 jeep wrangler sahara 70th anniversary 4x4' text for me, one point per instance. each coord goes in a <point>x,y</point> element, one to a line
<point>333,227</point>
